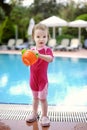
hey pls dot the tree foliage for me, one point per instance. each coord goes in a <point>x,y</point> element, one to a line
<point>39,10</point>
<point>19,17</point>
<point>6,30</point>
<point>44,8</point>
<point>2,15</point>
<point>5,7</point>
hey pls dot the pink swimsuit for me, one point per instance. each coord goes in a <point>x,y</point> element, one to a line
<point>38,75</point>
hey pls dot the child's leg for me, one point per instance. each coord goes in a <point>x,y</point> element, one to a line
<point>44,120</point>
<point>43,99</point>
<point>34,116</point>
<point>44,106</point>
<point>35,105</point>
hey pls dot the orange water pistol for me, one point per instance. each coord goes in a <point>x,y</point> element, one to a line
<point>29,57</point>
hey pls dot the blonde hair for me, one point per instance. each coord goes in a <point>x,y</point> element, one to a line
<point>41,27</point>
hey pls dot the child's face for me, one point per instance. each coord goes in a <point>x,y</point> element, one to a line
<point>40,38</point>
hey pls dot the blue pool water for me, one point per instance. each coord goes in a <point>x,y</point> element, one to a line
<point>67,81</point>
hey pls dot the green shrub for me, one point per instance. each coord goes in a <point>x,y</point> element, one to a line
<point>83,17</point>
<point>59,38</point>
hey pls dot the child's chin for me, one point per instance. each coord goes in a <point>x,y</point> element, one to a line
<point>41,45</point>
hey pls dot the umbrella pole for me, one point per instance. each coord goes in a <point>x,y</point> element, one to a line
<point>54,32</point>
<point>79,35</point>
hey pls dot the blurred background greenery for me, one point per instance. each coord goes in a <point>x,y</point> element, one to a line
<point>15,17</point>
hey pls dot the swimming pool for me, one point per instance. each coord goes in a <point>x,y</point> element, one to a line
<point>67,81</point>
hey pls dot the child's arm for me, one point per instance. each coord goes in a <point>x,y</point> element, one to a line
<point>47,58</point>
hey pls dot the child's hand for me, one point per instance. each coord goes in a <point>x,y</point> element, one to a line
<point>35,52</point>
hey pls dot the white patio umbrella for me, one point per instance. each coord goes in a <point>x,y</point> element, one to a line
<point>31,25</point>
<point>79,24</point>
<point>54,22</point>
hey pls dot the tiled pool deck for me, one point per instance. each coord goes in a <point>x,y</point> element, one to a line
<point>12,116</point>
